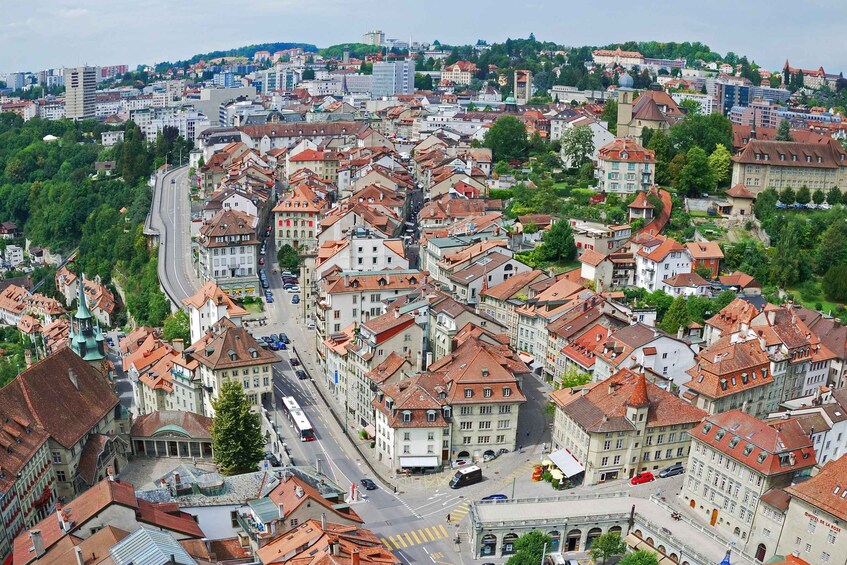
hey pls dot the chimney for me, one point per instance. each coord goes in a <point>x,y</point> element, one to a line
<point>680,332</point>
<point>28,358</point>
<point>336,546</point>
<point>323,521</point>
<point>176,478</point>
<point>37,542</point>
<point>178,344</point>
<point>80,560</point>
<point>72,376</point>
<point>355,560</point>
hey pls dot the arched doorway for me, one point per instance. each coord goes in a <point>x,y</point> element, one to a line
<point>489,545</point>
<point>509,543</point>
<point>661,549</point>
<point>650,542</point>
<point>593,534</point>
<point>489,454</point>
<point>760,552</point>
<point>555,536</point>
<point>639,534</point>
<point>573,540</point>
<point>674,557</point>
<point>615,530</point>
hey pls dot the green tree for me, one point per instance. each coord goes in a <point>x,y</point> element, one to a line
<point>677,316</point>
<point>833,197</point>
<point>176,326</point>
<point>640,557</point>
<point>832,247</point>
<point>818,196</point>
<point>660,144</point>
<point>501,168</point>
<point>423,82</point>
<point>675,168</point>
<point>803,195</point>
<point>578,145</point>
<point>610,115</point>
<point>573,377</point>
<point>309,74</point>
<point>696,176</point>
<point>786,263</point>
<point>720,163</point>
<point>691,107</point>
<point>237,440</point>
<point>705,272</point>
<point>783,132</point>
<point>703,131</point>
<point>607,545</point>
<point>529,548</point>
<point>288,258</point>
<point>507,139</point>
<point>558,243</point>
<point>834,283</point>
<point>788,196</point>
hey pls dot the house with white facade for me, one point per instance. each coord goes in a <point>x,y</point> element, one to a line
<point>660,259</point>
<point>823,417</point>
<point>228,252</point>
<point>209,305</point>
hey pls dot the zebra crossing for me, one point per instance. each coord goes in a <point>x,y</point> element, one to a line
<point>459,512</point>
<point>415,537</point>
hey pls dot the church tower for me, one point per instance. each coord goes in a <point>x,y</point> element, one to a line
<point>86,338</point>
<point>626,98</point>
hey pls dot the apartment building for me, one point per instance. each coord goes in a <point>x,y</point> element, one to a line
<point>622,426</point>
<point>781,164</point>
<point>705,255</point>
<point>625,167</point>
<point>492,269</point>
<point>296,217</point>
<point>80,93</point>
<point>599,237</point>
<point>209,305</point>
<point>228,352</point>
<point>501,301</point>
<point>659,259</point>
<point>734,460</point>
<point>228,252</point>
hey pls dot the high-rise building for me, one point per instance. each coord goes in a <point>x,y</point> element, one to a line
<point>375,37</point>
<point>395,77</point>
<point>80,93</point>
<point>523,87</point>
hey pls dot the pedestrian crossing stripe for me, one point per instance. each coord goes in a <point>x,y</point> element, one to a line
<point>437,555</point>
<point>415,537</point>
<point>459,512</point>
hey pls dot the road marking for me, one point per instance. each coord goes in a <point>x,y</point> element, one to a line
<point>417,540</point>
<point>443,530</point>
<point>429,533</point>
<point>386,543</point>
<point>408,538</point>
<point>398,543</point>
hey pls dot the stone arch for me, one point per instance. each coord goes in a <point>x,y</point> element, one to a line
<point>761,550</point>
<point>674,557</point>
<point>556,537</point>
<point>639,534</point>
<point>661,549</point>
<point>572,540</point>
<point>592,535</point>
<point>509,543</point>
<point>650,541</point>
<point>463,455</point>
<point>488,546</point>
<point>616,530</point>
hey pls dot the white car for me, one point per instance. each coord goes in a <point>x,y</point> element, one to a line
<point>294,288</point>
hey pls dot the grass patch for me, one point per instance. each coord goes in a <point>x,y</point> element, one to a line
<point>699,214</point>
<point>254,308</point>
<point>563,266</point>
<point>810,295</point>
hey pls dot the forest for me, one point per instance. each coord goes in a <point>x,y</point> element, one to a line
<point>50,190</point>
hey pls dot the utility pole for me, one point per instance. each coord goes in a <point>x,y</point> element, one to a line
<point>543,553</point>
<point>513,488</point>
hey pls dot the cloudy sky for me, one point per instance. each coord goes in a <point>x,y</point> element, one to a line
<point>55,33</point>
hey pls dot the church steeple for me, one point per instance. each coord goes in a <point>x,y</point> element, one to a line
<point>86,339</point>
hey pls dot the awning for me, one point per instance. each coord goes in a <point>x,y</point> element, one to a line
<point>371,431</point>
<point>566,462</point>
<point>425,461</point>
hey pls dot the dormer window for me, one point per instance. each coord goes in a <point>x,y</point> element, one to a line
<point>486,392</point>
<point>430,415</point>
<point>389,403</point>
<point>507,391</point>
<point>468,393</point>
<point>407,416</point>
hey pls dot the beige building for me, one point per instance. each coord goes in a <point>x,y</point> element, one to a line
<point>228,352</point>
<point>625,167</point>
<point>80,93</point>
<point>622,426</point>
<point>813,522</point>
<point>501,301</point>
<point>735,459</point>
<point>782,164</point>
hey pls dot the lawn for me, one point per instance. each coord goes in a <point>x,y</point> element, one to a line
<point>254,308</point>
<point>811,297</point>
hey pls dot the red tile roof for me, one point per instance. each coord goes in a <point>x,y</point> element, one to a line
<point>616,150</point>
<point>826,489</point>
<point>740,191</point>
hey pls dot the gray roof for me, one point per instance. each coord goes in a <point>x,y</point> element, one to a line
<point>149,547</point>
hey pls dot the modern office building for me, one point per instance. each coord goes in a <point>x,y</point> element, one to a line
<point>80,94</point>
<point>394,77</point>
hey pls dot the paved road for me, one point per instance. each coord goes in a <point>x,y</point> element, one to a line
<point>172,219</point>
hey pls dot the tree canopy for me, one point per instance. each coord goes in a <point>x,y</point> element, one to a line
<point>558,243</point>
<point>607,545</point>
<point>529,548</point>
<point>640,557</point>
<point>578,145</point>
<point>176,326</point>
<point>237,440</point>
<point>507,139</point>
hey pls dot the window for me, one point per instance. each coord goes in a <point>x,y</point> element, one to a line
<point>617,460</point>
<point>830,537</point>
<point>607,445</point>
<point>619,444</point>
<point>485,409</point>
<point>466,425</point>
<point>466,410</point>
<point>430,436</point>
<point>484,439</point>
<point>60,475</point>
<point>500,439</point>
<point>486,392</point>
<point>405,436</point>
<point>406,449</point>
<point>503,424</point>
<point>468,393</point>
<point>506,409</point>
<point>466,440</point>
<point>57,457</point>
<point>604,461</point>
<point>233,519</point>
<point>824,556</point>
<point>485,425</point>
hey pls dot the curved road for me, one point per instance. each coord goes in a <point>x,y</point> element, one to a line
<point>171,218</point>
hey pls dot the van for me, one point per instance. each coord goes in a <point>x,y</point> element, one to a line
<point>467,476</point>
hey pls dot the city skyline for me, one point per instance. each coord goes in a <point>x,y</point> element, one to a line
<point>97,33</point>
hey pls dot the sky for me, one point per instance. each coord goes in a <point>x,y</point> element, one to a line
<point>56,33</point>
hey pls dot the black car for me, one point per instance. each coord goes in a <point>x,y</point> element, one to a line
<point>368,484</point>
<point>267,339</point>
<point>673,470</point>
<point>284,338</point>
<point>294,361</point>
<point>273,460</point>
<point>301,374</point>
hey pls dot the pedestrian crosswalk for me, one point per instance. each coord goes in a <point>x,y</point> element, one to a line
<point>415,537</point>
<point>459,512</point>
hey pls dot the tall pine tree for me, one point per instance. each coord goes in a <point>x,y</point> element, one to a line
<point>237,439</point>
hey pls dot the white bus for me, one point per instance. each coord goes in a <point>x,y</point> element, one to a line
<point>298,419</point>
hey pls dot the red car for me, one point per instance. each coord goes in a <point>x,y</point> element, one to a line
<point>644,477</point>
<point>261,260</point>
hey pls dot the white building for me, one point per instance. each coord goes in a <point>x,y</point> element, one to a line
<point>209,305</point>
<point>228,252</point>
<point>396,77</point>
<point>14,255</point>
<point>658,260</point>
<point>110,138</point>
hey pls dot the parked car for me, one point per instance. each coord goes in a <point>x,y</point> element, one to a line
<point>110,341</point>
<point>272,459</point>
<point>671,471</point>
<point>293,288</point>
<point>269,299</point>
<point>281,346</point>
<point>294,361</point>
<point>641,478</point>
<point>368,484</point>
<point>301,374</point>
<point>274,337</point>
<point>267,339</point>
<point>295,299</point>
<point>284,338</point>
<point>273,346</point>
<point>495,497</point>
